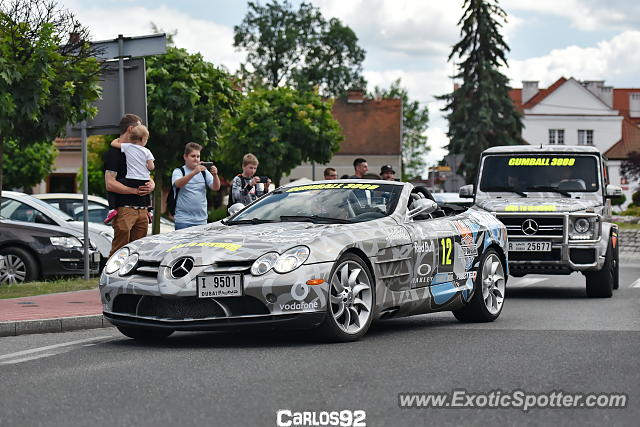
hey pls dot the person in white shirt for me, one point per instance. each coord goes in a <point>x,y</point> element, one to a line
<point>139,163</point>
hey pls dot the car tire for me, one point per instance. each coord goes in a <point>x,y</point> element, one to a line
<point>600,284</point>
<point>489,291</point>
<point>616,267</point>
<point>145,334</point>
<point>350,302</point>
<point>20,266</point>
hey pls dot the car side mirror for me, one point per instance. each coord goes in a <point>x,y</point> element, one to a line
<point>235,208</point>
<point>613,191</point>
<point>466,191</point>
<point>422,207</point>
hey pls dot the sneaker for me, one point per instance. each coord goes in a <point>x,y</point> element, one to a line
<point>112,214</point>
<point>150,216</point>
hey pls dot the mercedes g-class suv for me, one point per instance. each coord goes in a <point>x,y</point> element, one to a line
<point>554,202</point>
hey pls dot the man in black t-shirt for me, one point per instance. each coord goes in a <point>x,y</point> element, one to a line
<point>132,220</point>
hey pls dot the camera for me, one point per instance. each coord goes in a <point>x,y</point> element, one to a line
<point>263,179</point>
<point>207,164</point>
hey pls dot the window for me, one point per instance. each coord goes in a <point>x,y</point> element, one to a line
<point>585,137</point>
<point>556,136</point>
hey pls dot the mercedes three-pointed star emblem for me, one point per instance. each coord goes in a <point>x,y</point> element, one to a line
<point>529,227</point>
<point>181,267</point>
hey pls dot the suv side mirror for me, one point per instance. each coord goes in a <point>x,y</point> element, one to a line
<point>466,191</point>
<point>613,191</point>
<point>422,207</point>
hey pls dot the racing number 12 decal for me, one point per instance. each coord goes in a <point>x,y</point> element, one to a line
<point>445,250</point>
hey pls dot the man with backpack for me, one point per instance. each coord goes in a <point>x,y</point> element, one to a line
<point>190,184</point>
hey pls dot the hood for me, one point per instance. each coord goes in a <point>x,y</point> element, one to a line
<point>213,242</point>
<point>93,227</point>
<point>540,204</point>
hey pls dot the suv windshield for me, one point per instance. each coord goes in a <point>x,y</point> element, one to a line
<point>521,173</point>
<point>323,203</point>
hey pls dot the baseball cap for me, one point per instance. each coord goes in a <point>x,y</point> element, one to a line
<point>386,168</point>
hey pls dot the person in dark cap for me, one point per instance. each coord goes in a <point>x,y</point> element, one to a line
<point>387,173</point>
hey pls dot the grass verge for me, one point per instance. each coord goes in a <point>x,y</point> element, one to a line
<point>627,226</point>
<point>30,289</point>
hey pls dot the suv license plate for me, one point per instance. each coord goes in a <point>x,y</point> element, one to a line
<point>219,286</point>
<point>530,246</point>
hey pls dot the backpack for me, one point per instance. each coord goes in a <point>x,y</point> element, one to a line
<point>172,197</point>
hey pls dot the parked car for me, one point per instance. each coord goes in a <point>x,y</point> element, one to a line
<point>23,207</point>
<point>71,203</point>
<point>38,242</point>
<point>331,254</point>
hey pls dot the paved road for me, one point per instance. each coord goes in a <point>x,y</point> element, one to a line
<point>549,338</point>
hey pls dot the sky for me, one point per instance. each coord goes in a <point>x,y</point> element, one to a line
<point>411,39</point>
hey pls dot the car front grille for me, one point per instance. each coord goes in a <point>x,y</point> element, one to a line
<point>553,255</point>
<point>187,308</point>
<point>151,268</point>
<point>548,226</point>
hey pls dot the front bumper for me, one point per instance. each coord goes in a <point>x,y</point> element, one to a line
<point>564,258</point>
<point>271,300</point>
<point>268,322</point>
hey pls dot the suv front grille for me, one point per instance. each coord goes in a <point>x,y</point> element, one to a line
<point>548,226</point>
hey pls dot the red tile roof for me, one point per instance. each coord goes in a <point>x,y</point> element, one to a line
<point>621,103</point>
<point>516,95</point>
<point>629,142</point>
<point>372,126</point>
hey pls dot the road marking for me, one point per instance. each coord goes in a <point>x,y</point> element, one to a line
<point>528,281</point>
<point>26,359</point>
<point>635,284</point>
<point>50,347</point>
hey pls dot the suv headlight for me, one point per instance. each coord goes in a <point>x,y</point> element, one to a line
<point>66,242</point>
<point>583,228</point>
<point>288,261</point>
<point>117,261</point>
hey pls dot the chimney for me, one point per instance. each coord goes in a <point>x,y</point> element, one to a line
<point>604,93</point>
<point>529,89</point>
<point>355,96</point>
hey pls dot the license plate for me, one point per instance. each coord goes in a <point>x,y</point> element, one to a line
<point>530,246</point>
<point>219,285</point>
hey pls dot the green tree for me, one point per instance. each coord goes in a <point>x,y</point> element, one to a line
<point>630,167</point>
<point>25,167</point>
<point>48,75</point>
<point>298,48</point>
<point>97,146</point>
<point>283,128</point>
<point>415,120</point>
<point>481,114</point>
<point>188,100</point>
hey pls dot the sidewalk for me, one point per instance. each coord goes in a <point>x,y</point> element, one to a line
<point>51,313</point>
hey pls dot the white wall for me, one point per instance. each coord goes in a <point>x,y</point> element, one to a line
<point>607,130</point>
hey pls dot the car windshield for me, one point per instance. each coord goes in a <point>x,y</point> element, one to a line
<point>523,173</point>
<point>323,203</point>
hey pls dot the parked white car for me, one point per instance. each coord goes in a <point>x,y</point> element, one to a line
<point>71,204</point>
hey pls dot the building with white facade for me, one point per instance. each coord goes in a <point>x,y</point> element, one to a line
<point>571,112</point>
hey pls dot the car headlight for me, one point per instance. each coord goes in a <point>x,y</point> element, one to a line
<point>264,263</point>
<point>581,225</point>
<point>291,259</point>
<point>288,261</point>
<point>66,242</point>
<point>584,228</point>
<point>129,264</point>
<point>117,261</point>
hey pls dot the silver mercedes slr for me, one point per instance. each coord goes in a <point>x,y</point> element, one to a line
<point>329,255</point>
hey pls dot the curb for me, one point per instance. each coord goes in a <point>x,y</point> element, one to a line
<point>60,324</point>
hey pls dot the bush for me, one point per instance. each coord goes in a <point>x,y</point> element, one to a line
<point>632,211</point>
<point>617,201</point>
<point>218,214</point>
<point>635,198</point>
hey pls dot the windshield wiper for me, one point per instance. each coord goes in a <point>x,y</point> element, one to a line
<point>314,218</point>
<point>249,221</point>
<point>550,188</point>
<point>506,188</point>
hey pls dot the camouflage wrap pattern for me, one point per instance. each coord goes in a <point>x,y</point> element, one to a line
<point>417,266</point>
